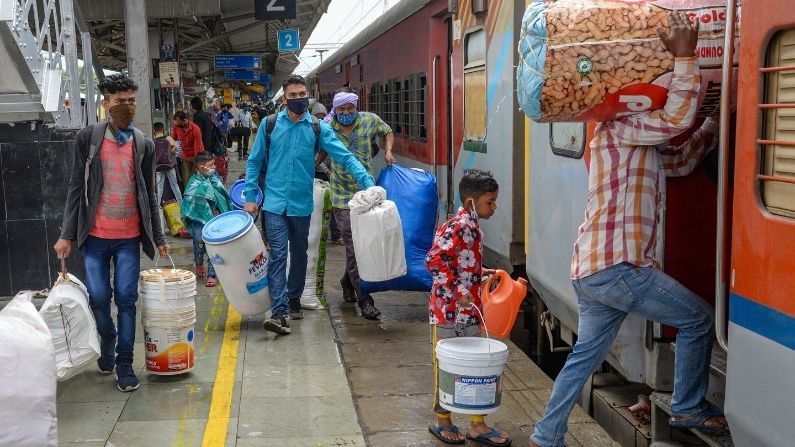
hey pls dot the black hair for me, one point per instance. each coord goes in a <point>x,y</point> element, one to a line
<point>475,183</point>
<point>202,158</point>
<point>159,127</point>
<point>294,79</point>
<point>116,83</point>
<point>196,104</point>
<point>180,115</point>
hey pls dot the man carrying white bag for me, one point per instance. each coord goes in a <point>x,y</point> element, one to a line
<point>377,235</point>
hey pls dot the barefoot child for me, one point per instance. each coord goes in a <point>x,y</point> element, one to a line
<point>204,198</point>
<point>455,264</point>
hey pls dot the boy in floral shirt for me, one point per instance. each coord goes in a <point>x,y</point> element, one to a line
<point>455,264</point>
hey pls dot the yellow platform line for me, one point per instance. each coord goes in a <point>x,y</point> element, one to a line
<point>221,404</point>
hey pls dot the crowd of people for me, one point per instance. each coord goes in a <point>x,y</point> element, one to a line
<point>120,178</point>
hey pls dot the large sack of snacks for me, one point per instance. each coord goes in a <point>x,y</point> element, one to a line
<point>597,60</point>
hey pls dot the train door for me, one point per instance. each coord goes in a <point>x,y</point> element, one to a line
<point>761,279</point>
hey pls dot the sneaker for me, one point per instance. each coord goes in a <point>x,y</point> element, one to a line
<point>370,312</point>
<point>126,379</point>
<point>295,309</point>
<point>107,358</point>
<point>277,324</point>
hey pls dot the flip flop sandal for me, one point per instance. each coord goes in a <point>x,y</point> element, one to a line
<point>211,282</point>
<point>437,431</point>
<point>201,271</point>
<point>699,421</point>
<point>484,438</point>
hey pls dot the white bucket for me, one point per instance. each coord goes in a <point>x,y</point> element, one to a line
<point>470,374</point>
<point>168,315</point>
<point>240,260</point>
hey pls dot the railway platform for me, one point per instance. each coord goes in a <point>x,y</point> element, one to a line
<point>337,380</point>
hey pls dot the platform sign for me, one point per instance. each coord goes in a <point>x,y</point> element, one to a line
<point>288,40</point>
<point>237,61</point>
<point>169,74</point>
<point>275,9</point>
<point>242,75</point>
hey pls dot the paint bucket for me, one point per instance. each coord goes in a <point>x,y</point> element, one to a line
<point>238,194</point>
<point>240,260</point>
<point>168,315</point>
<point>470,374</point>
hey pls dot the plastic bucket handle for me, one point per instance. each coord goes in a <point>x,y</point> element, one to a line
<point>482,320</point>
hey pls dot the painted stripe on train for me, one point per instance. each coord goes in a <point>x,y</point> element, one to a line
<point>763,320</point>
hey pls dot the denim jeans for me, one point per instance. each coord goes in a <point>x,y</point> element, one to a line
<point>126,256</point>
<point>605,299</point>
<point>171,176</point>
<point>284,231</point>
<point>199,249</point>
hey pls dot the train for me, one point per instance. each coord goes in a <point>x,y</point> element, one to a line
<point>441,73</point>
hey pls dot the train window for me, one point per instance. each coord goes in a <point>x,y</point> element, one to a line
<point>405,118</point>
<point>778,160</point>
<point>567,139</point>
<point>374,99</point>
<point>475,85</point>
<point>414,106</point>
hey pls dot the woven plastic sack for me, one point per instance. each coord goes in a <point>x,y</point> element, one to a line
<point>74,331</point>
<point>173,219</point>
<point>27,377</point>
<point>414,193</point>
<point>377,235</point>
<point>312,297</point>
<point>597,60</point>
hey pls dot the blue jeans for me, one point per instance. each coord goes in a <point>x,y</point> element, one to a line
<point>199,249</point>
<point>282,231</point>
<point>605,299</point>
<point>126,256</point>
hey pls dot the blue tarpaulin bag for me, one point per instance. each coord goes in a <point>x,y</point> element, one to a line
<point>414,193</point>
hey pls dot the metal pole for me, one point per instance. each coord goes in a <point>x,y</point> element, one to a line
<point>721,312</point>
<point>70,56</point>
<point>91,105</point>
<point>139,63</point>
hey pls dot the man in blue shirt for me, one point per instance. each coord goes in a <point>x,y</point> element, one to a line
<point>288,195</point>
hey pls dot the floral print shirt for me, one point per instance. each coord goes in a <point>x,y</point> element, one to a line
<point>455,265</point>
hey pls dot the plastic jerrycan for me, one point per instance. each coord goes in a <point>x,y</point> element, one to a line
<point>501,305</point>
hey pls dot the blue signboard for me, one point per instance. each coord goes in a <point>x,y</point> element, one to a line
<point>242,75</point>
<point>266,78</point>
<point>288,40</point>
<point>241,61</point>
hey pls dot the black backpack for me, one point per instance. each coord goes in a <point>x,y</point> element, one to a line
<point>270,124</point>
<point>162,155</point>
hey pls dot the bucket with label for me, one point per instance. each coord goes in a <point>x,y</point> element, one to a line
<point>168,315</point>
<point>240,260</point>
<point>470,374</point>
<point>238,194</point>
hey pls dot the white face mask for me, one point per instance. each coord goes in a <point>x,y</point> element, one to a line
<point>473,211</point>
<point>209,172</point>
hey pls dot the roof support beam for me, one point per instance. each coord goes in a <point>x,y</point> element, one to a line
<point>222,36</point>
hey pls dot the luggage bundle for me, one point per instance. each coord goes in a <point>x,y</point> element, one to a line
<point>312,297</point>
<point>597,60</point>
<point>377,235</point>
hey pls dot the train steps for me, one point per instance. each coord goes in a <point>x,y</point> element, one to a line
<point>662,431</point>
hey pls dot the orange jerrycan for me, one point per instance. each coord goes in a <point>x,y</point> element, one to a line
<point>501,303</point>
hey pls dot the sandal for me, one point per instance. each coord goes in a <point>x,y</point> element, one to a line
<point>211,282</point>
<point>485,438</point>
<point>201,271</point>
<point>699,421</point>
<point>437,431</point>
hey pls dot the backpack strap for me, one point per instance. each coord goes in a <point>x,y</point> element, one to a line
<point>316,128</point>
<point>140,143</point>
<point>97,136</point>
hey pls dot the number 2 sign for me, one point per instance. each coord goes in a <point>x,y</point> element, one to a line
<point>288,40</point>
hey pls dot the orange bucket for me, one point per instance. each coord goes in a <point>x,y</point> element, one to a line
<point>501,303</point>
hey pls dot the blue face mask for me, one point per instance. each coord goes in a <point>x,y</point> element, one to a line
<point>298,106</point>
<point>347,119</point>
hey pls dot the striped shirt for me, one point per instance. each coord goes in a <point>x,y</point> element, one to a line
<point>627,176</point>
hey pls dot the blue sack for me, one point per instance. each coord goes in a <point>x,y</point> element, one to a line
<point>414,193</point>
<point>530,74</point>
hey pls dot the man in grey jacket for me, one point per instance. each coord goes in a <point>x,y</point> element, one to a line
<point>112,212</point>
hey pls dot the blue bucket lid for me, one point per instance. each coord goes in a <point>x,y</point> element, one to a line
<point>226,227</point>
<point>237,192</point>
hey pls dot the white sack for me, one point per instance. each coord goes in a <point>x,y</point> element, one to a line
<point>377,235</point>
<point>74,331</point>
<point>312,295</point>
<point>27,377</point>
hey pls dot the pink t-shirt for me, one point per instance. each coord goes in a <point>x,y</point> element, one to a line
<point>117,214</point>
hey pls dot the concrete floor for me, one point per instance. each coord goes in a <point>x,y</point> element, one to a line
<point>337,380</point>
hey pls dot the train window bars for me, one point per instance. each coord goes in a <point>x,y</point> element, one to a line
<point>777,179</point>
<point>567,139</point>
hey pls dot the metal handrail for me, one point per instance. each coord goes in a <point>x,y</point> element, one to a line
<point>721,310</point>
